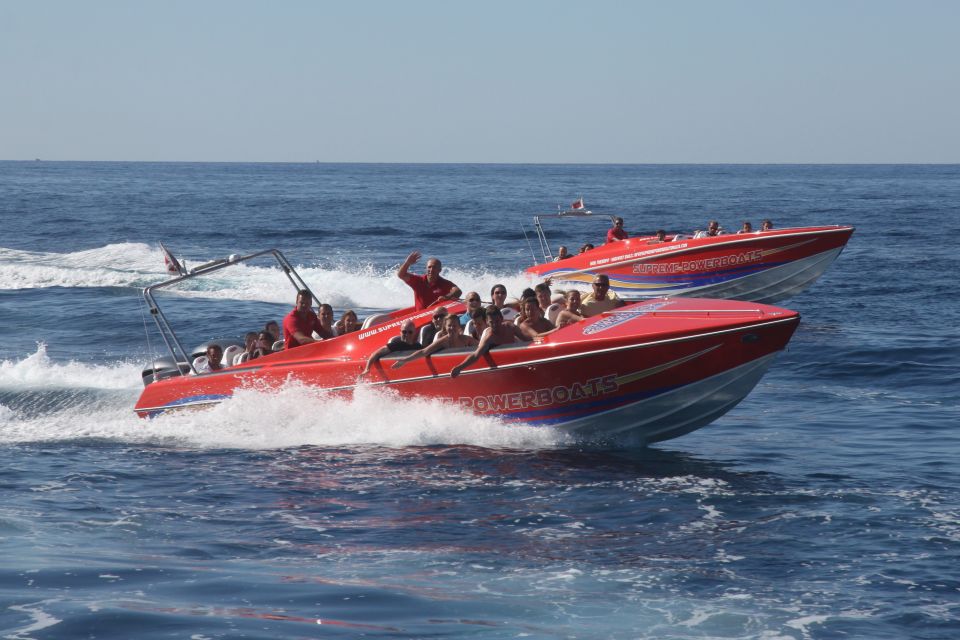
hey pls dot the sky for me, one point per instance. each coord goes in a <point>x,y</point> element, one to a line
<point>523,81</point>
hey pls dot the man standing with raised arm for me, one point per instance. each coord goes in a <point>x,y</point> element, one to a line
<point>430,287</point>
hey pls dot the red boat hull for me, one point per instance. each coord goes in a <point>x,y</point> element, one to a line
<point>649,371</point>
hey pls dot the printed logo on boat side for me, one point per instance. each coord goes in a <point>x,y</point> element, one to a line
<point>616,318</point>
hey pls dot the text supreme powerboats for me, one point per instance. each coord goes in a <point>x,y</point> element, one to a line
<point>644,372</point>
<point>761,266</point>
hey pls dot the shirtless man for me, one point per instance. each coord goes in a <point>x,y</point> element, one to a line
<point>430,287</point>
<point>497,334</point>
<point>534,324</point>
<point>451,338</point>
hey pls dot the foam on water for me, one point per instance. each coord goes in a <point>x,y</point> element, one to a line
<point>253,419</point>
<point>343,285</point>
<point>38,371</point>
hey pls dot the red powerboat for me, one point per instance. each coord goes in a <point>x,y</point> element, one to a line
<point>763,266</point>
<point>645,372</point>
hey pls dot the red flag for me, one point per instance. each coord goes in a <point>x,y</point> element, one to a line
<point>577,204</point>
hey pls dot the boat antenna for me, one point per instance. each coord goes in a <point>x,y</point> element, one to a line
<point>529,244</point>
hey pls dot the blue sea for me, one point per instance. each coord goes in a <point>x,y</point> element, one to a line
<point>826,505</point>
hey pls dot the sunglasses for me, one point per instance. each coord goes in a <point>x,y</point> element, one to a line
<point>473,299</point>
<point>601,284</point>
<point>407,332</point>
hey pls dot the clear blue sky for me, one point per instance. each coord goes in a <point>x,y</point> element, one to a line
<point>447,81</point>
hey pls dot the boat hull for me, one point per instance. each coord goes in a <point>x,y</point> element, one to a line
<point>766,267</point>
<point>648,372</point>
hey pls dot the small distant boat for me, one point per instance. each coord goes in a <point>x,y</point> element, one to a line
<point>645,372</point>
<point>761,266</point>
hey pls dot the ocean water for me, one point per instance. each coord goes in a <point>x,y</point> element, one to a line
<point>826,505</point>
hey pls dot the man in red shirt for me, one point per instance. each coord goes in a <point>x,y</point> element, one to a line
<point>428,288</point>
<point>616,232</point>
<point>299,324</point>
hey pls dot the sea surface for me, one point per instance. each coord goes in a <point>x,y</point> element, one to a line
<point>826,505</point>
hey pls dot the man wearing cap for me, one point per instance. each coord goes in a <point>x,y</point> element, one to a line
<point>430,287</point>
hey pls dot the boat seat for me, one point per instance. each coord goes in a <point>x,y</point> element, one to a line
<point>277,346</point>
<point>201,364</point>
<point>423,334</point>
<point>230,354</point>
<point>553,311</point>
<point>240,359</point>
<point>468,327</point>
<point>375,319</point>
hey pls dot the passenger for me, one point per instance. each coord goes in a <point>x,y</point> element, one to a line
<point>264,345</point>
<point>746,228</point>
<point>325,315</point>
<point>573,312</point>
<point>249,342</point>
<point>479,319</point>
<point>406,341</point>
<point>429,288</point>
<point>451,338</point>
<point>521,316</point>
<point>616,232</point>
<point>473,303</point>
<point>713,229</point>
<point>601,298</point>
<point>429,332</point>
<point>586,247</point>
<point>534,324</point>
<point>562,254</point>
<point>497,334</point>
<point>299,324</point>
<point>661,235</point>
<point>348,323</point>
<point>543,294</point>
<point>273,329</point>
<point>213,361</point>
<point>766,225</point>
<point>498,293</point>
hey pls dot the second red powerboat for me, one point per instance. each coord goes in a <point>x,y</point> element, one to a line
<point>762,266</point>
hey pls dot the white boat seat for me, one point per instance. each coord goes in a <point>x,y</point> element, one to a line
<point>240,359</point>
<point>553,311</point>
<point>230,354</point>
<point>375,319</point>
<point>201,364</point>
<point>468,327</point>
<point>277,346</point>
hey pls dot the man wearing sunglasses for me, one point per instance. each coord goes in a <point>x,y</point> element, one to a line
<point>601,298</point>
<point>616,232</point>
<point>406,341</point>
